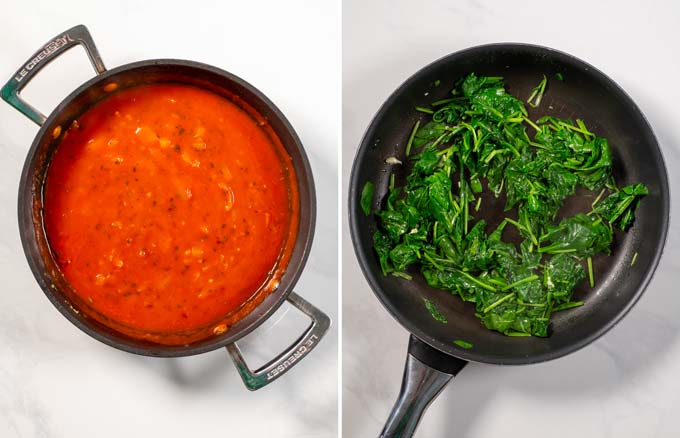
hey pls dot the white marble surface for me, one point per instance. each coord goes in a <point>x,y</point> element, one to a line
<point>57,382</point>
<point>624,385</point>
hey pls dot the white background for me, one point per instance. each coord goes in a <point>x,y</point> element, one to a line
<point>624,385</point>
<point>55,381</point>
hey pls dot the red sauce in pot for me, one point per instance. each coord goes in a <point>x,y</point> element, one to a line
<point>170,211</point>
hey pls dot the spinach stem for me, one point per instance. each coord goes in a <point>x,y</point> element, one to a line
<point>566,306</point>
<point>493,154</point>
<point>445,101</point>
<point>515,223</point>
<point>512,149</point>
<point>411,137</point>
<point>525,229</point>
<point>590,272</point>
<point>497,282</point>
<point>517,334</point>
<point>584,130</point>
<point>465,215</point>
<point>581,129</point>
<point>463,196</point>
<point>477,281</point>
<point>535,99</point>
<point>550,250</point>
<point>429,259</point>
<point>403,275</point>
<point>635,256</point>
<point>438,140</point>
<point>532,124</point>
<point>522,303</point>
<point>498,302</point>
<point>592,206</point>
<point>522,281</point>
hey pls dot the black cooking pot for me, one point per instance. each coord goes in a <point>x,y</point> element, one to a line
<point>585,93</point>
<point>32,182</point>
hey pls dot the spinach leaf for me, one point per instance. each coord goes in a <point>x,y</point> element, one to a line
<point>393,222</point>
<point>367,197</point>
<point>561,274</point>
<point>496,104</point>
<point>463,344</point>
<point>580,235</point>
<point>619,208</point>
<point>383,246</point>
<point>403,255</point>
<point>434,311</point>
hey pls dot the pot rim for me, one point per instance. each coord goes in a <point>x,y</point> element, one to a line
<point>272,301</point>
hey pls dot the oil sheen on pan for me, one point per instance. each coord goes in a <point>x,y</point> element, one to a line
<point>171,212</point>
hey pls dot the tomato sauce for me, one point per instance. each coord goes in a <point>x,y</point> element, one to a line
<point>170,211</point>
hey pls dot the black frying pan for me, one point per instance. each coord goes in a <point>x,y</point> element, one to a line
<point>607,110</point>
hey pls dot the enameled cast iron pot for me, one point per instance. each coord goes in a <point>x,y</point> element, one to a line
<point>586,93</point>
<point>35,168</point>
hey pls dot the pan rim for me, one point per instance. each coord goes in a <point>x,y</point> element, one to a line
<point>452,349</point>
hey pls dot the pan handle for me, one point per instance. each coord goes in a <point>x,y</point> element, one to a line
<point>281,364</point>
<point>426,373</point>
<point>46,54</point>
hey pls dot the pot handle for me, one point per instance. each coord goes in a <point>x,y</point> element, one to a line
<point>46,54</point>
<point>281,364</point>
<point>426,373</point>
